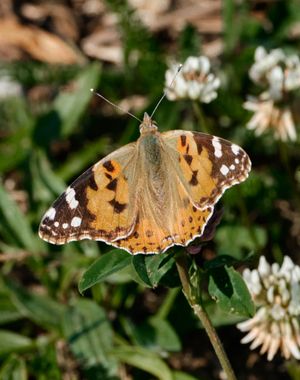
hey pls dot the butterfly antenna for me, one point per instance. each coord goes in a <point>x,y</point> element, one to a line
<point>165,94</point>
<point>114,105</point>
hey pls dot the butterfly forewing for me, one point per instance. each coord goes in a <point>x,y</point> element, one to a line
<point>97,205</point>
<point>207,165</point>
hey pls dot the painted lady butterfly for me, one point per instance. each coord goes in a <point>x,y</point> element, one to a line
<point>149,195</point>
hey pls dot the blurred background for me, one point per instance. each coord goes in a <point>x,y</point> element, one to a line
<point>52,128</point>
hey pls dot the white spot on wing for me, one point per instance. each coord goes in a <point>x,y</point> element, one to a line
<point>65,225</point>
<point>50,214</point>
<point>232,167</point>
<point>217,146</point>
<point>235,149</point>
<point>237,161</point>
<point>76,221</point>
<point>70,198</point>
<point>56,224</point>
<point>224,170</point>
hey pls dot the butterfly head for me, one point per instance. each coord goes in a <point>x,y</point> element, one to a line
<point>148,125</point>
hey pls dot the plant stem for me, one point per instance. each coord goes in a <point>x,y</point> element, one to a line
<point>168,303</point>
<point>182,267</point>
<point>201,118</point>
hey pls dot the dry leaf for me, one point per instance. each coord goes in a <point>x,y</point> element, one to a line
<point>62,18</point>
<point>36,42</point>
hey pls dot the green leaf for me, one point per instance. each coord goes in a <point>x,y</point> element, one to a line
<point>293,369</point>
<point>45,363</point>
<point>17,224</point>
<point>11,342</point>
<point>159,334</point>
<point>80,160</point>
<point>45,182</point>
<point>152,268</point>
<point>68,108</point>
<point>14,368</point>
<point>39,308</point>
<point>143,359</point>
<point>220,261</point>
<point>235,240</point>
<point>228,289</point>
<point>9,311</point>
<point>16,124</point>
<point>218,316</point>
<point>139,264</point>
<point>106,265</point>
<point>89,335</point>
<point>156,334</point>
<point>71,106</point>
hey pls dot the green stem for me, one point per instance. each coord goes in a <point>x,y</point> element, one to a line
<point>182,267</point>
<point>201,118</point>
<point>168,303</point>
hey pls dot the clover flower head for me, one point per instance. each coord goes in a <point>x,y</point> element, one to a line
<point>9,87</point>
<point>264,63</point>
<point>269,115</point>
<point>292,75</point>
<point>280,75</point>
<point>276,70</point>
<point>275,326</point>
<point>194,81</point>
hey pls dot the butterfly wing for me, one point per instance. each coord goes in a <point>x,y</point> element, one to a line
<point>207,165</point>
<point>197,169</point>
<point>117,202</point>
<point>167,214</point>
<point>183,223</point>
<point>98,205</point>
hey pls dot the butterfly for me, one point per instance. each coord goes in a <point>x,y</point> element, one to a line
<point>148,195</point>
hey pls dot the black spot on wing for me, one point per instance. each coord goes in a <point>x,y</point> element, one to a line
<point>89,175</point>
<point>109,166</point>
<point>188,158</point>
<point>112,185</point>
<point>194,180</point>
<point>118,207</point>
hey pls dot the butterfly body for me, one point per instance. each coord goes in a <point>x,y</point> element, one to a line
<point>149,195</point>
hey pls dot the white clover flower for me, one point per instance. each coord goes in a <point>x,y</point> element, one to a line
<point>264,63</point>
<point>292,73</point>
<point>9,87</point>
<point>276,292</point>
<point>269,116</point>
<point>279,72</point>
<point>194,81</point>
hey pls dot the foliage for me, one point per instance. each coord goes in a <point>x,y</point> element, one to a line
<point>130,315</point>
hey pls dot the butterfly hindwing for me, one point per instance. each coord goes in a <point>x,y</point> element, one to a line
<point>180,225</point>
<point>97,205</point>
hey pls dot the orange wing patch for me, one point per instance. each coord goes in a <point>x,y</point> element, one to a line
<point>209,165</point>
<point>196,168</point>
<point>109,202</point>
<point>184,224</point>
<point>147,238</point>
